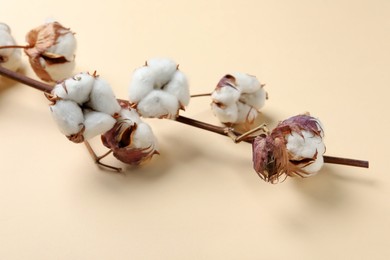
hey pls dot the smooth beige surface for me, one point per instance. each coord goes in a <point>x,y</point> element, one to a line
<point>201,199</point>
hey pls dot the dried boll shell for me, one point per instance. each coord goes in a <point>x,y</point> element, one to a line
<point>102,98</point>
<point>68,116</point>
<point>10,58</point>
<point>77,88</point>
<point>294,148</point>
<point>51,51</point>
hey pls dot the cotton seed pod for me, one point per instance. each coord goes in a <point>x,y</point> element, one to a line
<point>96,123</point>
<point>237,99</point>
<point>159,89</point>
<point>294,148</point>
<point>51,51</point>
<point>131,140</point>
<point>10,58</point>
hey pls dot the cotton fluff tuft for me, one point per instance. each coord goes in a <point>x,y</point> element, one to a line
<point>159,89</point>
<point>237,98</point>
<point>84,106</point>
<point>10,58</point>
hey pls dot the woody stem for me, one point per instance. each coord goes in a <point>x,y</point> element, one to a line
<point>185,120</point>
<point>14,47</point>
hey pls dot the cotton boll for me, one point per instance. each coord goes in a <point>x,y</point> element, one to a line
<point>68,116</point>
<point>226,95</point>
<point>141,83</point>
<point>97,123</point>
<point>303,144</point>
<point>76,88</point>
<point>256,99</point>
<point>225,114</point>
<point>102,98</point>
<point>246,113</point>
<point>163,70</point>
<point>314,167</point>
<point>178,86</point>
<point>158,104</point>
<point>245,82</point>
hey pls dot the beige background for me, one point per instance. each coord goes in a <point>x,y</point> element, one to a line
<point>201,199</point>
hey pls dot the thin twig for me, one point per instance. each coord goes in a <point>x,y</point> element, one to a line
<point>14,47</point>
<point>201,95</point>
<point>185,120</point>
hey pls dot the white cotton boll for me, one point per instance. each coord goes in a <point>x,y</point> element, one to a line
<point>10,58</point>
<point>246,83</point>
<point>58,71</point>
<point>65,46</point>
<point>68,116</point>
<point>76,88</point>
<point>178,86</point>
<point>245,114</point>
<point>163,70</point>
<point>226,95</point>
<point>256,99</point>
<point>102,98</point>
<point>141,84</point>
<point>97,123</point>
<point>159,104</point>
<point>227,114</point>
<point>143,136</point>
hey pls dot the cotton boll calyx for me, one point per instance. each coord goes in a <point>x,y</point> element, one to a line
<point>243,90</point>
<point>294,148</point>
<point>131,140</point>
<point>10,58</point>
<point>159,89</point>
<point>51,51</point>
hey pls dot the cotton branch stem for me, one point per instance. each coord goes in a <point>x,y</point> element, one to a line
<point>14,47</point>
<point>185,120</point>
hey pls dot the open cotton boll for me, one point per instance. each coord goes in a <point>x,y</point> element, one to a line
<point>163,70</point>
<point>159,104</point>
<point>225,114</point>
<point>68,116</point>
<point>76,88</point>
<point>102,98</point>
<point>130,115</point>
<point>96,123</point>
<point>10,58</point>
<point>178,86</point>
